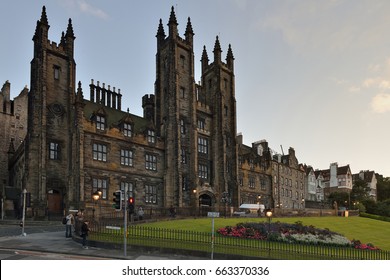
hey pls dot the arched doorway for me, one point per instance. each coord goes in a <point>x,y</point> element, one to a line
<point>205,200</point>
<point>205,204</point>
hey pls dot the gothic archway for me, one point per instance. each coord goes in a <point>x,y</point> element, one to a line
<point>205,200</point>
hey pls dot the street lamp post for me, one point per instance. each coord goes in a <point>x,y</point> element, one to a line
<point>225,199</point>
<point>268,213</point>
<point>24,211</point>
<point>95,197</point>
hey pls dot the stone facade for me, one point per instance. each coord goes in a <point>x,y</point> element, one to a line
<point>182,152</point>
<point>13,129</point>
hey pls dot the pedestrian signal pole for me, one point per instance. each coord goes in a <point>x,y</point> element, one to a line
<point>125,223</point>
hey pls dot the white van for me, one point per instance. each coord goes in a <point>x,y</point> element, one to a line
<point>249,210</point>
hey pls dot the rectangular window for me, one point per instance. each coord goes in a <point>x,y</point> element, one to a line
<point>127,129</point>
<point>203,145</point>
<point>126,157</point>
<point>150,162</point>
<point>251,164</point>
<point>182,60</point>
<point>262,184</point>
<point>203,171</point>
<point>100,122</point>
<point>201,124</point>
<point>54,151</point>
<point>151,194</point>
<point>56,72</point>
<point>129,187</point>
<point>184,183</point>
<point>99,152</point>
<point>182,126</point>
<point>252,182</point>
<point>101,185</point>
<point>182,92</point>
<point>183,156</point>
<point>151,136</point>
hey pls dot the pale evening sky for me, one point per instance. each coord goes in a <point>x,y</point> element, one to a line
<point>312,75</point>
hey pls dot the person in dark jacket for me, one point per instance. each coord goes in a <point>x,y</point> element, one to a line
<point>84,233</point>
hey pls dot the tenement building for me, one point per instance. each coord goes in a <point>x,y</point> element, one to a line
<point>181,153</point>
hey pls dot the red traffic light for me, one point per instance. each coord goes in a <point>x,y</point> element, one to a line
<point>131,200</point>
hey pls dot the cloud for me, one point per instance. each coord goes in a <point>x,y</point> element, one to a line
<point>89,9</point>
<point>353,89</point>
<point>381,103</point>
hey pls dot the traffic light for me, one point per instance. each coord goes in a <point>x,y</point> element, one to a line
<point>117,200</point>
<point>131,205</point>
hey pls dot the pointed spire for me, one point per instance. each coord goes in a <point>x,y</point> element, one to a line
<point>217,45</point>
<point>230,53</point>
<point>204,60</point>
<point>189,34</point>
<point>63,41</point>
<point>172,25</point>
<point>160,30</point>
<point>230,58</point>
<point>80,95</point>
<point>69,30</point>
<point>172,18</point>
<point>189,29</point>
<point>42,28</point>
<point>217,51</point>
<point>204,54</point>
<point>44,16</point>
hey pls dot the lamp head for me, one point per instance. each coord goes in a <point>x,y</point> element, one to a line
<point>95,196</point>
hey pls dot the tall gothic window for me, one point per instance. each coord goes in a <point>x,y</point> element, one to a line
<point>54,151</point>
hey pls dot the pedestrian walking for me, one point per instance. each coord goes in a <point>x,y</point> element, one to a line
<point>140,213</point>
<point>84,233</point>
<point>172,212</point>
<point>69,225</point>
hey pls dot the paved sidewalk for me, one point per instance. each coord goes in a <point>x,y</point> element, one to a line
<point>55,242</point>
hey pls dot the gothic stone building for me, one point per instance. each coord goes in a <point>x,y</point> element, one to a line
<point>182,152</point>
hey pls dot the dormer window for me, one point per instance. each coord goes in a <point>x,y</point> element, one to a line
<point>127,129</point>
<point>151,136</point>
<point>100,122</point>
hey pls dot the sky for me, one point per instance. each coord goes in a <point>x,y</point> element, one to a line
<point>311,75</point>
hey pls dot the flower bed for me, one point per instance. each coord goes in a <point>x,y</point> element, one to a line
<point>291,233</point>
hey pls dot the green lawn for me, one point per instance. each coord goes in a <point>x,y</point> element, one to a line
<point>363,229</point>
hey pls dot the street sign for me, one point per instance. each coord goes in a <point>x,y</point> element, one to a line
<point>213,214</point>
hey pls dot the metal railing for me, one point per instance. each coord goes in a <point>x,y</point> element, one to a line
<point>195,241</point>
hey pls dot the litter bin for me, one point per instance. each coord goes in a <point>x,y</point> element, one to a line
<point>346,213</point>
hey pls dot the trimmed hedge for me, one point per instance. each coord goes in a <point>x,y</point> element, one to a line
<point>375,217</point>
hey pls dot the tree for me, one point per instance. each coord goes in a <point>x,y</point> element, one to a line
<point>360,191</point>
<point>342,198</point>
<point>383,188</point>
